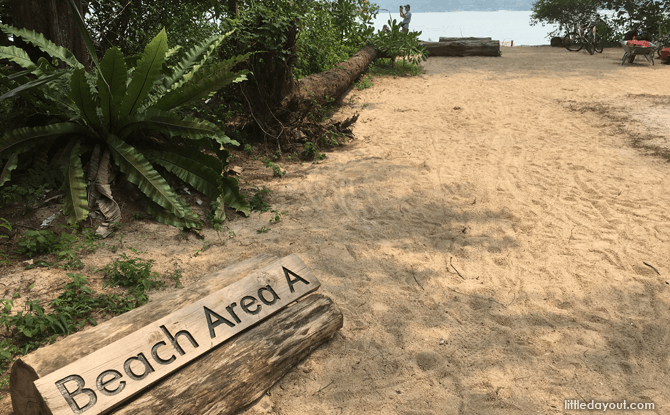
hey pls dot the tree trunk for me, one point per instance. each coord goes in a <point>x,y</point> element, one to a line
<point>463,48</point>
<point>332,83</point>
<point>54,20</point>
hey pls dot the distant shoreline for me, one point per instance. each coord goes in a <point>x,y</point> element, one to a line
<point>504,26</point>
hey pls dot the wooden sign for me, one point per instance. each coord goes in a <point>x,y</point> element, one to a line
<point>102,380</point>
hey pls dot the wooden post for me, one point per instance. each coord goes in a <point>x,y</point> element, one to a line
<point>312,322</point>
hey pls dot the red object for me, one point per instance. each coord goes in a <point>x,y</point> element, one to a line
<point>665,53</point>
<point>642,43</point>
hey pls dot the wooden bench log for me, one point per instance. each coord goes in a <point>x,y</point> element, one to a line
<point>456,39</point>
<point>463,48</point>
<point>291,334</point>
<point>243,369</point>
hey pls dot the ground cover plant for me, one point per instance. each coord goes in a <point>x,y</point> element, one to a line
<point>76,307</point>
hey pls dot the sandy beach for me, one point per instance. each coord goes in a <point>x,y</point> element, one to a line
<point>497,237</point>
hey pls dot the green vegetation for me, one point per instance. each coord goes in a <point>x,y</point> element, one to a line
<point>383,67</point>
<point>257,201</point>
<point>76,306</point>
<point>630,17</point>
<point>395,43</point>
<point>277,216</point>
<point>100,115</point>
<point>309,150</point>
<point>248,149</point>
<point>364,83</point>
<point>276,168</point>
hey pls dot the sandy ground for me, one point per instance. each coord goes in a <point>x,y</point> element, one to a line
<point>535,176</point>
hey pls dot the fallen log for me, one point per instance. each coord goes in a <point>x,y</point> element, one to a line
<point>331,84</point>
<point>242,370</point>
<point>456,39</point>
<point>291,334</point>
<point>463,48</point>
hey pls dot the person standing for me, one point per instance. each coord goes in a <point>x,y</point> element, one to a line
<point>407,17</point>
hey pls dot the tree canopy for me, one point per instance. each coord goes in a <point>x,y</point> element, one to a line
<point>622,17</point>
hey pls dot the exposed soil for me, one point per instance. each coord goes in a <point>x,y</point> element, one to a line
<point>486,236</point>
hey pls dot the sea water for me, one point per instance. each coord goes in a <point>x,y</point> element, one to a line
<point>504,26</point>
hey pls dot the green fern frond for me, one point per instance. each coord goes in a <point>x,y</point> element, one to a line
<point>113,69</point>
<point>168,123</point>
<point>32,84</point>
<point>88,41</point>
<point>205,82</point>
<point>11,164</point>
<point>15,140</point>
<point>220,210</point>
<point>75,206</point>
<point>147,72</point>
<point>140,172</point>
<point>231,195</point>
<point>45,45</point>
<point>18,56</point>
<point>80,94</point>
<point>189,221</point>
<point>186,166</point>
<point>196,56</point>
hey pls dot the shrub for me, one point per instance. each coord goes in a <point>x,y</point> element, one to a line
<point>396,43</point>
<point>101,116</point>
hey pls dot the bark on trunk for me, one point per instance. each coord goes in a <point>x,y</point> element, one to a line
<point>53,19</point>
<point>463,48</point>
<point>333,82</point>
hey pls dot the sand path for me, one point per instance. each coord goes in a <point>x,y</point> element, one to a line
<point>504,168</point>
<point>548,216</point>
